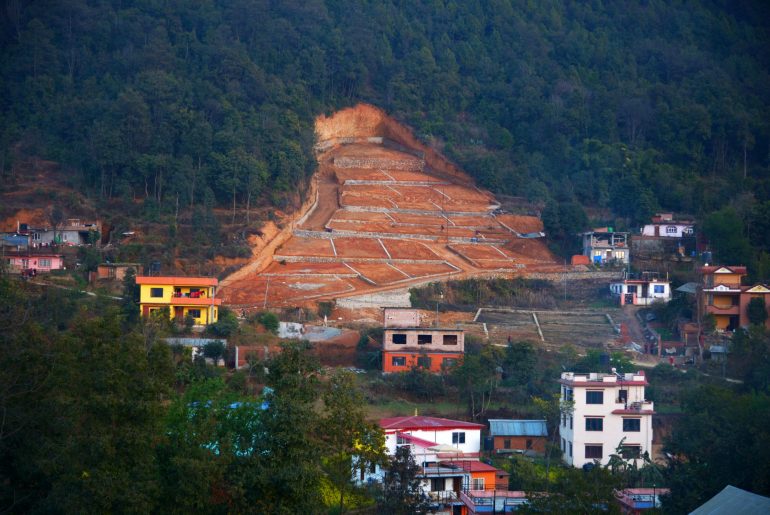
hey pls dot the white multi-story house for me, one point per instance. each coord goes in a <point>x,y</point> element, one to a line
<point>447,452</point>
<point>664,226</point>
<point>607,409</point>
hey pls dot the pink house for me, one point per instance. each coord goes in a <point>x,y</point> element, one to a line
<point>39,262</point>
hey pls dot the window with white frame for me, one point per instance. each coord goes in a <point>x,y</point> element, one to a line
<point>478,483</point>
<point>659,288</point>
<point>458,437</point>
<point>671,229</point>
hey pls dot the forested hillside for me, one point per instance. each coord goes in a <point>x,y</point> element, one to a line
<point>632,106</point>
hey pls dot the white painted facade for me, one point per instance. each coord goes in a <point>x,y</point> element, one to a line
<point>606,409</point>
<point>641,293</point>
<point>669,230</point>
<point>430,445</point>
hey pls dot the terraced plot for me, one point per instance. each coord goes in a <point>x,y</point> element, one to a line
<point>383,220</point>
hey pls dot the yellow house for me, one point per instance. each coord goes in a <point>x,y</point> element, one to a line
<point>183,296</point>
<point>722,294</point>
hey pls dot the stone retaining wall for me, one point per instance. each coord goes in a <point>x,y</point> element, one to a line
<point>376,163</point>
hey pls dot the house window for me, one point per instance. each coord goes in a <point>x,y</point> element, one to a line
<point>449,362</point>
<point>630,452</point>
<point>458,437</point>
<point>563,445</point>
<point>568,394</point>
<point>528,443</point>
<point>400,440</point>
<point>45,263</point>
<point>570,421</point>
<point>424,339</point>
<point>423,362</point>
<point>195,313</point>
<point>450,339</point>
<point>398,361</point>
<point>659,288</point>
<point>437,484</point>
<point>594,424</point>
<point>478,483</point>
<point>399,338</point>
<point>570,449</point>
<point>594,452</point>
<point>594,397</point>
<point>632,424</point>
<point>156,293</point>
<point>507,443</point>
<point>620,254</point>
<point>671,229</point>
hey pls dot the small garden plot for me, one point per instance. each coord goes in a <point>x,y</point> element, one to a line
<point>379,273</point>
<point>315,247</point>
<point>358,201</point>
<point>418,270</point>
<point>359,248</point>
<point>360,174</point>
<point>300,268</point>
<point>405,249</point>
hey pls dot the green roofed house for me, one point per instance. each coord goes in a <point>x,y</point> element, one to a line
<point>523,436</point>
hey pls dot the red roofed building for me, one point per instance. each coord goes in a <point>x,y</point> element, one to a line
<point>448,453</point>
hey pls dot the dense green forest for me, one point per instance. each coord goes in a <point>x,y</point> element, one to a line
<point>631,106</point>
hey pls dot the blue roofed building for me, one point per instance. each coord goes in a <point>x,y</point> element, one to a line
<point>522,436</point>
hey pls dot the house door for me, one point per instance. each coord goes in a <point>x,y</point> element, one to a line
<point>178,313</point>
<point>458,485</point>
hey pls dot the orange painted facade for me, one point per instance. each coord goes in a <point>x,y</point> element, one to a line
<point>433,349</point>
<point>394,361</point>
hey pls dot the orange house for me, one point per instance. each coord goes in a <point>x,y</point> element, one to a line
<point>433,349</point>
<point>726,299</point>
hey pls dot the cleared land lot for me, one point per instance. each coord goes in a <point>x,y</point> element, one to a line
<point>383,220</point>
<point>588,329</point>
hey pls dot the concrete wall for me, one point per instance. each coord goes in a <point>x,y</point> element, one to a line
<point>439,340</point>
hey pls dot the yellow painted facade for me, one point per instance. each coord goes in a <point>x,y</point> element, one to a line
<point>182,296</point>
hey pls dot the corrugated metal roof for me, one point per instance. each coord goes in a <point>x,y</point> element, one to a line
<point>502,427</point>
<point>734,501</point>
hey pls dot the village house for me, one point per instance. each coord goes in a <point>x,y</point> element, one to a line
<point>407,345</point>
<point>447,452</point>
<point>663,225</point>
<point>605,246</point>
<point>607,409</point>
<point>19,262</point>
<point>72,232</point>
<point>115,271</point>
<point>724,296</point>
<point>183,296</point>
<point>518,435</point>
<point>634,501</point>
<point>641,291</point>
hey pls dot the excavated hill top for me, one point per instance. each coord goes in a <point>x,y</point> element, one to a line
<point>388,213</point>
